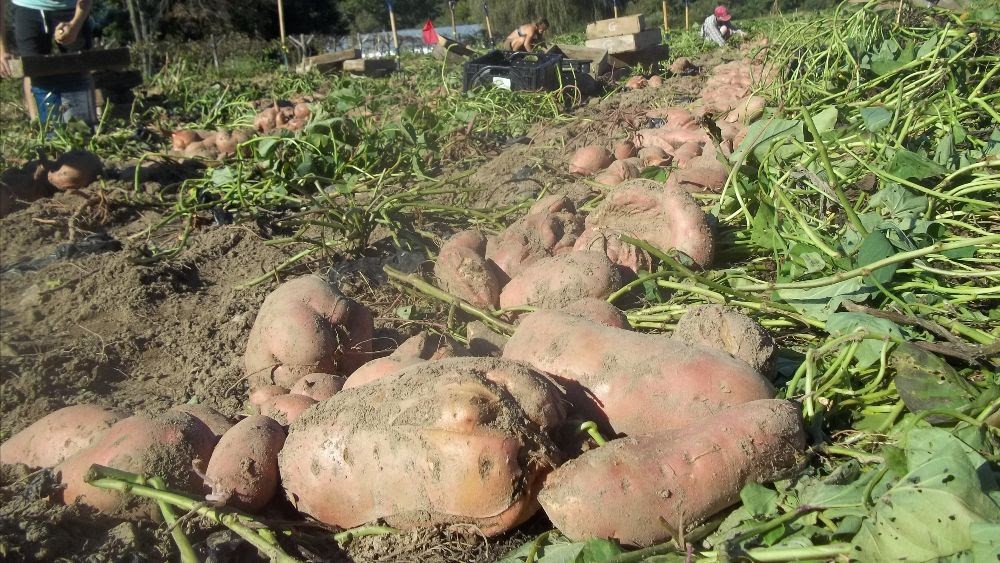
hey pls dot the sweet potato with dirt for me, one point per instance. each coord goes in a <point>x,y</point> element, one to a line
<point>664,216</point>
<point>243,471</point>
<point>217,422</point>
<point>75,169</point>
<point>58,435</point>
<point>629,382</point>
<point>286,408</point>
<point>23,184</point>
<point>729,330</point>
<point>642,490</point>
<point>463,270</point>
<point>306,326</point>
<point>599,311</point>
<point>550,227</point>
<point>318,386</point>
<point>701,174</point>
<point>260,395</point>
<point>589,159</point>
<point>554,282</point>
<point>624,149</point>
<point>423,347</point>
<point>168,446</point>
<point>459,440</point>
<point>669,139</point>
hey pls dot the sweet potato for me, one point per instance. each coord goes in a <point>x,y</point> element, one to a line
<point>589,159</point>
<point>460,440</point>
<point>261,395</point>
<point>599,311</point>
<point>682,65</point>
<point>729,330</point>
<point>180,139</point>
<point>669,138</point>
<point>608,178</point>
<point>217,422</point>
<point>554,282</point>
<point>624,169</point>
<point>701,174</point>
<point>655,156</point>
<point>636,82</point>
<point>243,470</point>
<point>483,341</point>
<point>423,347</point>
<point>687,152</point>
<point>667,217</point>
<point>624,149</point>
<point>463,270</point>
<point>747,110</point>
<point>286,408</point>
<point>168,445</point>
<point>23,184</point>
<point>58,435</point>
<point>75,169</point>
<point>550,227</point>
<point>633,383</point>
<point>318,386</point>
<point>642,490</point>
<point>306,326</point>
<point>676,117</point>
<point>655,81</point>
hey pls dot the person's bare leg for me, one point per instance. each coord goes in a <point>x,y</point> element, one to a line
<point>29,100</point>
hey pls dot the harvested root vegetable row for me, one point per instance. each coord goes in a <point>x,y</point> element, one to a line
<point>306,326</point>
<point>59,435</point>
<point>633,383</point>
<point>642,490</point>
<point>461,440</point>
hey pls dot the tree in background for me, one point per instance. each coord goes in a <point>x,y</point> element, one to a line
<point>700,9</point>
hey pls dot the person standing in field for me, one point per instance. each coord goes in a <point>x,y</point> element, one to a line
<point>37,24</point>
<point>526,36</point>
<point>719,27</point>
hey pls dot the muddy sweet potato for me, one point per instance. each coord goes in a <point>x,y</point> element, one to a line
<point>286,408</point>
<point>243,470</point>
<point>666,217</point>
<point>217,422</point>
<point>624,149</point>
<point>701,174</point>
<point>75,169</point>
<point>550,227</point>
<point>460,440</point>
<point>168,446</point>
<point>58,435</point>
<point>554,282</point>
<point>306,326</point>
<point>729,330</point>
<point>642,490</point>
<point>589,159</point>
<point>318,386</point>
<point>260,395</point>
<point>599,311</point>
<point>423,347</point>
<point>629,382</point>
<point>463,270</point>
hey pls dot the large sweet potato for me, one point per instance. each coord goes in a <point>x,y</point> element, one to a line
<point>423,347</point>
<point>642,490</point>
<point>463,270</point>
<point>667,217</point>
<point>729,330</point>
<point>244,466</point>
<point>168,445</point>
<point>58,435</point>
<point>629,382</point>
<point>305,326</point>
<point>456,440</point>
<point>550,227</point>
<point>554,282</point>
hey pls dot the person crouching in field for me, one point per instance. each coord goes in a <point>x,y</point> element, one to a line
<point>719,27</point>
<point>526,36</point>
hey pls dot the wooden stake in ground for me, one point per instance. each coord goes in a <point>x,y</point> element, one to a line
<point>281,23</point>
<point>451,7</point>
<point>666,16</point>
<point>489,28</point>
<point>687,20</point>
<point>392,24</point>
<point>616,8</point>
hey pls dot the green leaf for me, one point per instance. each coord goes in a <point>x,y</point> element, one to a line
<point>764,133</point>
<point>896,202</point>
<point>873,248</point>
<point>763,230</point>
<point>820,302</point>
<point>222,176</point>
<point>596,550</point>
<point>759,500</point>
<point>825,120</point>
<point>925,381</point>
<point>910,165</point>
<point>266,146</point>
<point>931,511</point>
<point>876,118</point>
<point>869,351</point>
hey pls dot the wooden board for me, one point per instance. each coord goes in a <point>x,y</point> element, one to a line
<point>598,57</point>
<point>451,50</point>
<point>329,62</point>
<point>627,43</point>
<point>371,67</point>
<point>70,63</point>
<point>649,57</point>
<point>626,25</point>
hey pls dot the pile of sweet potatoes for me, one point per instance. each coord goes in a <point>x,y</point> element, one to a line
<point>36,179</point>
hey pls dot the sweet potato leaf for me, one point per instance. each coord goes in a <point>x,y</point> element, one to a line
<point>870,349</point>
<point>873,248</point>
<point>925,381</point>
<point>876,118</point>
<point>820,302</point>
<point>910,165</point>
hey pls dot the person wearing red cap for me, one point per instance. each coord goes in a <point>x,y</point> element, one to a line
<point>718,27</point>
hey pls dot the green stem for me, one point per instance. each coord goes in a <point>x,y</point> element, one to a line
<point>187,553</point>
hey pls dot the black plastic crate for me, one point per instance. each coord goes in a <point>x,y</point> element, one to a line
<point>514,71</point>
<point>575,67</point>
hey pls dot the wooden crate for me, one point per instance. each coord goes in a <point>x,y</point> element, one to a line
<point>70,63</point>
<point>627,43</point>
<point>371,67</point>
<point>329,62</point>
<point>649,57</point>
<point>626,25</point>
<point>598,57</point>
